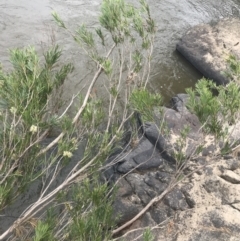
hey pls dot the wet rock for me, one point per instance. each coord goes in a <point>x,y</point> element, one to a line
<point>179,103</point>
<point>207,47</point>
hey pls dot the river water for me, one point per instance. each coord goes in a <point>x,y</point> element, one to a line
<point>25,22</point>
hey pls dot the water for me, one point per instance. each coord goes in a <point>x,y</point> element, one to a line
<point>25,22</point>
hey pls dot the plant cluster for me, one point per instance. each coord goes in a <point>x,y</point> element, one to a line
<point>79,207</point>
<point>217,107</point>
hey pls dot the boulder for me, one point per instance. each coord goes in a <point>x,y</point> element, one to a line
<point>207,198</point>
<point>207,47</point>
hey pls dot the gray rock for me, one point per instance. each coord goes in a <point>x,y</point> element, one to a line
<point>177,121</point>
<point>159,141</point>
<point>127,166</point>
<point>125,210</point>
<point>179,103</point>
<point>207,47</point>
<point>159,215</point>
<point>209,150</point>
<point>144,156</point>
<point>148,159</point>
<point>176,200</point>
<point>152,180</point>
<point>140,188</point>
<point>231,176</point>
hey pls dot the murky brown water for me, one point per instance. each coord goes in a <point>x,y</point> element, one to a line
<point>24,22</point>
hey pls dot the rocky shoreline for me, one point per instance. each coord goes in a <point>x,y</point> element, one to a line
<point>205,204</point>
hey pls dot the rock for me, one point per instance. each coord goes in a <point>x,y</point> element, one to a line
<point>160,141</point>
<point>140,188</point>
<point>177,121</point>
<point>230,176</point>
<point>209,150</point>
<point>143,157</point>
<point>179,103</point>
<point>201,207</point>
<point>148,160</point>
<point>207,47</point>
<point>125,210</point>
<point>176,200</point>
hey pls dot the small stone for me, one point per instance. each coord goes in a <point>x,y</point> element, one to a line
<point>231,176</point>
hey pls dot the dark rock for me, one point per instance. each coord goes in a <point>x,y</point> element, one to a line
<point>177,121</point>
<point>209,150</point>
<point>163,176</point>
<point>190,201</point>
<point>142,157</point>
<point>124,188</point>
<point>179,103</point>
<point>127,166</point>
<point>234,165</point>
<point>206,47</point>
<point>153,182</point>
<point>159,215</point>
<point>208,170</point>
<point>176,200</point>
<point>200,160</point>
<point>148,159</point>
<point>139,187</point>
<point>124,210</point>
<point>159,141</point>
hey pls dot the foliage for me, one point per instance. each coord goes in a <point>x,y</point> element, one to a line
<point>26,113</point>
<point>97,221</point>
<point>233,71</point>
<point>205,105</point>
<point>215,105</point>
<point>147,235</point>
<point>144,102</point>
<point>79,207</point>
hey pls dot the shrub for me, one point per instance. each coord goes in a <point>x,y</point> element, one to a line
<point>79,207</point>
